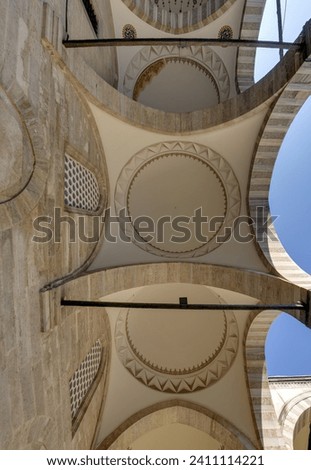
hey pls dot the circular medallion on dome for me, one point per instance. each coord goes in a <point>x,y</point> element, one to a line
<point>177,350</point>
<point>189,351</point>
<point>181,198</point>
<point>171,190</point>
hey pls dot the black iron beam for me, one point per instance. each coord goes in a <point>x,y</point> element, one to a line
<point>182,42</point>
<point>280,27</point>
<point>183,304</point>
<point>66,20</point>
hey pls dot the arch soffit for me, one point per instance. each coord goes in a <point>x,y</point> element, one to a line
<point>269,432</point>
<point>286,108</point>
<point>176,411</point>
<point>110,100</point>
<point>262,94</point>
<point>274,432</point>
<point>251,21</point>
<point>267,288</point>
<point>298,416</point>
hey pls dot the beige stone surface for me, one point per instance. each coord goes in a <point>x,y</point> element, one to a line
<point>42,115</point>
<point>45,96</point>
<point>292,401</point>
<point>223,433</point>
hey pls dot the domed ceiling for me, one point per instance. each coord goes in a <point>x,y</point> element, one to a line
<point>176,85</point>
<point>176,350</point>
<point>177,185</point>
<point>178,199</point>
<point>176,79</point>
<point>179,6</point>
<point>178,16</point>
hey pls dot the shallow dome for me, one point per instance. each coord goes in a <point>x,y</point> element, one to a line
<point>178,16</point>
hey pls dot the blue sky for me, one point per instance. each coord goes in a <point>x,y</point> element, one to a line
<point>288,346</point>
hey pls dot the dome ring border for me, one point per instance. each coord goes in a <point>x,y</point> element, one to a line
<point>200,152</point>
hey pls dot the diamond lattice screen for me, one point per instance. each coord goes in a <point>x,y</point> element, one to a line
<point>81,186</point>
<point>83,377</point>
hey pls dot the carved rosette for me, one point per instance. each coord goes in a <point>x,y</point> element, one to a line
<point>129,32</point>
<point>225,32</point>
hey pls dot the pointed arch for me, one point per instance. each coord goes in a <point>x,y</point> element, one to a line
<point>286,108</point>
<point>269,431</point>
<point>297,417</point>
<point>176,411</point>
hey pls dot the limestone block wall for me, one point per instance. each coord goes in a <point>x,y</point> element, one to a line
<point>103,62</point>
<point>45,117</point>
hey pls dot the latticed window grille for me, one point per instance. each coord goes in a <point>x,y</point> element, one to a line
<point>83,377</point>
<point>81,186</point>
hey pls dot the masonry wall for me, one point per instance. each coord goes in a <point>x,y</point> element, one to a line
<point>101,60</point>
<point>43,116</point>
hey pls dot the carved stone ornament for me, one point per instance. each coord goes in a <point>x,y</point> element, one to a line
<point>169,180</point>
<point>175,351</point>
<point>225,32</point>
<point>129,31</point>
<point>204,56</point>
<point>156,67</point>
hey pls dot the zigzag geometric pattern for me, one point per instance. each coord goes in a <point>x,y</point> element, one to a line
<point>205,56</point>
<point>197,151</point>
<point>178,381</point>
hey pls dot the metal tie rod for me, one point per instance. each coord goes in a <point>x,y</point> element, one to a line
<point>182,42</point>
<point>183,304</point>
